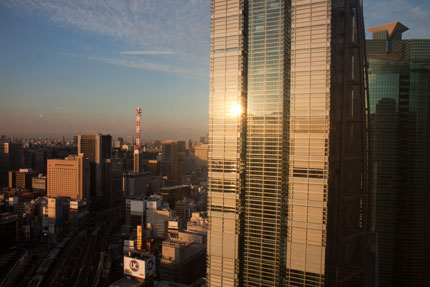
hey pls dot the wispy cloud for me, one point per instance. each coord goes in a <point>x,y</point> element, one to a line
<point>147,52</point>
<point>145,25</point>
<point>132,63</point>
<point>138,64</point>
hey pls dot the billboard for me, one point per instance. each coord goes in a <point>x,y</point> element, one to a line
<point>139,268</point>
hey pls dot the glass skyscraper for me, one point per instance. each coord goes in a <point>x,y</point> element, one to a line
<point>288,197</point>
<point>399,83</point>
<point>227,116</point>
<point>266,142</point>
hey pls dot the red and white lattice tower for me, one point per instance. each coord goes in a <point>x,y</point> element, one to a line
<point>137,149</point>
<point>138,113</point>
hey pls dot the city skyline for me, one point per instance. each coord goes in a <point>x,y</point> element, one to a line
<point>68,70</point>
<point>214,143</point>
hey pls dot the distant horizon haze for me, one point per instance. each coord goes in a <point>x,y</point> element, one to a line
<point>83,67</point>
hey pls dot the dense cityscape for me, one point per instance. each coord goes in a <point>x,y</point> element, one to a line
<point>314,171</point>
<point>73,203</point>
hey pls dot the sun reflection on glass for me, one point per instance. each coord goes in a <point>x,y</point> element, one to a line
<point>236,110</point>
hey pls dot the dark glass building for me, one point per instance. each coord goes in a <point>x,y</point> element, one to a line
<point>98,149</point>
<point>399,88</point>
<point>10,159</point>
<point>173,161</point>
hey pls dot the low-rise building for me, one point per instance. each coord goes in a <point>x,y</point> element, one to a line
<point>135,213</point>
<point>184,208</point>
<point>78,214</point>
<point>38,183</point>
<point>21,178</point>
<point>184,254</point>
<point>53,215</point>
<point>182,262</point>
<point>197,223</point>
<point>157,217</point>
<point>172,194</point>
<point>135,184</point>
<point>8,231</point>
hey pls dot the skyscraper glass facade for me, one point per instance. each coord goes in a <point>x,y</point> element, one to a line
<point>226,115</point>
<point>399,84</point>
<point>272,121</point>
<point>309,142</point>
<point>266,138</point>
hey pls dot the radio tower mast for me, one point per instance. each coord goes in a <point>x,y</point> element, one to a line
<point>137,149</point>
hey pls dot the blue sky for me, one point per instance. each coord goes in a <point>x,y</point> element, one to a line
<point>81,66</point>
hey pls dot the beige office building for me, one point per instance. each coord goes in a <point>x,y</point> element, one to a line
<point>69,177</point>
<point>201,153</point>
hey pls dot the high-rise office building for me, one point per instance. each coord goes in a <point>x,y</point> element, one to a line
<point>38,183</point>
<point>129,140</point>
<point>97,148</point>
<point>117,144</point>
<point>10,159</point>
<point>173,161</point>
<point>288,198</point>
<point>69,177</point>
<point>40,158</point>
<point>135,213</point>
<point>112,182</point>
<point>21,178</point>
<point>201,153</point>
<point>399,84</point>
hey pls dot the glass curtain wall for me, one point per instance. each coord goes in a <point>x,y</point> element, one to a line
<point>266,142</point>
<point>399,83</point>
<point>309,140</point>
<point>226,113</point>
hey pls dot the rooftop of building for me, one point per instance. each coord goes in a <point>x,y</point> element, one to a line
<point>25,194</point>
<point>8,217</point>
<point>169,284</point>
<point>40,176</point>
<point>141,255</point>
<point>26,170</point>
<point>74,156</point>
<point>391,28</point>
<point>93,135</point>
<point>189,250</point>
<point>70,157</point>
<point>171,141</point>
<point>127,282</point>
<point>132,174</point>
<point>176,187</point>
